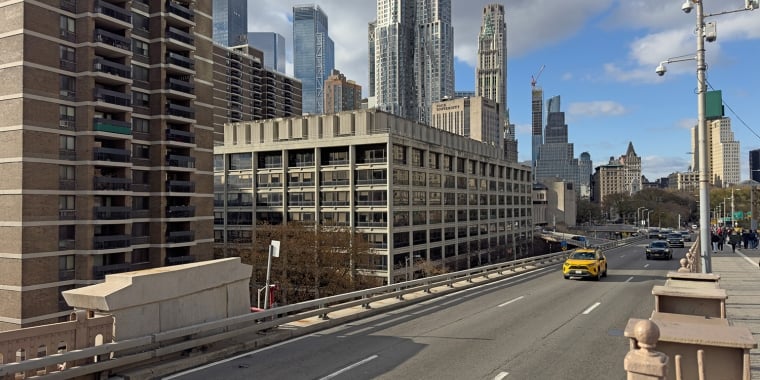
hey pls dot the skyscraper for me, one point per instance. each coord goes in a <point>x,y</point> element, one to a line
<point>434,63</point>
<point>555,157</point>
<point>273,46</point>
<point>491,70</point>
<point>537,122</point>
<point>395,90</point>
<point>313,54</point>
<point>106,137</point>
<point>230,22</point>
<point>418,35</point>
<point>722,152</point>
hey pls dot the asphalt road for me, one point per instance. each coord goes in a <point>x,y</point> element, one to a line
<point>534,326</point>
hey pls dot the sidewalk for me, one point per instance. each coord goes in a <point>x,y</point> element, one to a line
<point>740,276</point>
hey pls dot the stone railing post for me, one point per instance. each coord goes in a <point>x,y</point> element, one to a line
<point>644,363</point>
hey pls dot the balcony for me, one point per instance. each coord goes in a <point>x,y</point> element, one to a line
<point>180,136</point>
<point>102,65</point>
<point>180,211</point>
<point>112,11</point>
<point>67,184</point>
<point>112,39</point>
<point>181,12</point>
<point>175,84</point>
<point>112,126</point>
<point>111,242</point>
<point>176,35</point>
<point>111,184</point>
<point>66,274</point>
<point>112,213</point>
<point>174,109</point>
<point>67,122</point>
<point>111,154</point>
<point>67,154</point>
<point>176,160</point>
<point>116,98</point>
<point>180,60</point>
<point>140,240</point>
<point>180,236</point>
<point>180,186</point>
<point>372,224</point>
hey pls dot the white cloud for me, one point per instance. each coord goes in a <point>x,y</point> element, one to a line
<point>596,108</point>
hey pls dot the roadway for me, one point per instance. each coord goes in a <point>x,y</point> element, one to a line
<point>536,325</point>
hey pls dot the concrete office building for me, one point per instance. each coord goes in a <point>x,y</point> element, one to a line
<point>477,118</point>
<point>245,90</point>
<point>554,203</point>
<point>341,94</point>
<point>684,181</point>
<point>273,46</point>
<point>230,22</point>
<point>411,190</point>
<point>313,55</point>
<point>106,144</point>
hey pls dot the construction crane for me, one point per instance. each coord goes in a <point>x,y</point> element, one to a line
<point>533,79</point>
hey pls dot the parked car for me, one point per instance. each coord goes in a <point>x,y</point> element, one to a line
<point>585,262</point>
<point>675,240</point>
<point>659,248</point>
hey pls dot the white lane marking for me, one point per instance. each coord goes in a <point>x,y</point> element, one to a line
<point>510,301</point>
<point>233,358</point>
<point>591,308</point>
<point>629,279</point>
<point>359,331</point>
<point>391,320</point>
<point>501,376</point>
<point>646,266</point>
<point>746,258</point>
<point>352,366</point>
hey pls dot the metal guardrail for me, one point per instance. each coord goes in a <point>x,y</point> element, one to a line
<point>186,338</point>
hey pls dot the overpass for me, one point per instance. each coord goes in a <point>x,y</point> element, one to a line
<point>214,339</point>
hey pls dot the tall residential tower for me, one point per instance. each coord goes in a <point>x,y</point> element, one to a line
<point>434,63</point>
<point>106,144</point>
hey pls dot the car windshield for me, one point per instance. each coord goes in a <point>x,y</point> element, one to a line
<point>659,244</point>
<point>674,236</point>
<point>583,255</point>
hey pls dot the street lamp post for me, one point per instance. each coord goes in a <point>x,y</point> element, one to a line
<point>638,216</point>
<point>704,195</point>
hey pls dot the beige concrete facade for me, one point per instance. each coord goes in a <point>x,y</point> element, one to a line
<point>105,145</point>
<point>478,118</point>
<point>341,94</point>
<point>409,189</point>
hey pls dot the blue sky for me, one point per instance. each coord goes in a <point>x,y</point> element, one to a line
<point>599,56</point>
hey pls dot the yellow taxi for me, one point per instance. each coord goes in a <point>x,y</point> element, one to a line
<point>585,262</point>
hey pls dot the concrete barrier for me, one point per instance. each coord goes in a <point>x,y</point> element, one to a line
<point>708,302</point>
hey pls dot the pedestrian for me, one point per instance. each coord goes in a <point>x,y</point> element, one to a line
<point>721,239</point>
<point>753,239</point>
<point>745,239</point>
<point>714,238</point>
<point>734,239</point>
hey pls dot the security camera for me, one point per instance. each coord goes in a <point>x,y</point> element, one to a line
<point>660,70</point>
<point>686,6</point>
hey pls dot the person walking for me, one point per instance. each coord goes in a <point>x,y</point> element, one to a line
<point>721,239</point>
<point>714,238</point>
<point>733,239</point>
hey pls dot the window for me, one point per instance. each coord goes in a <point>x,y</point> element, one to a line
<point>418,179</point>
<point>141,151</point>
<point>68,28</point>
<point>68,58</point>
<point>66,142</point>
<point>241,161</point>
<point>66,172</point>
<point>140,125</point>
<point>419,198</point>
<point>140,47</point>
<point>400,218</point>
<point>400,198</point>
<point>417,158</point>
<point>400,177</point>
<point>66,263</point>
<point>433,160</point>
<point>140,73</point>
<point>68,87</point>
<point>140,99</point>
<point>66,237</point>
<point>66,202</point>
<point>399,154</point>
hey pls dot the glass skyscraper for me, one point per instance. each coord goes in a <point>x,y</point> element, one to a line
<point>230,22</point>
<point>273,46</point>
<point>313,55</point>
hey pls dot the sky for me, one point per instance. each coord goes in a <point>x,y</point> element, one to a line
<point>599,56</point>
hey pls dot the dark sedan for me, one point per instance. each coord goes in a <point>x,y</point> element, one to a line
<point>659,248</point>
<point>675,240</point>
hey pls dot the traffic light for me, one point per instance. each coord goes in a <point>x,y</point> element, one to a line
<point>751,4</point>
